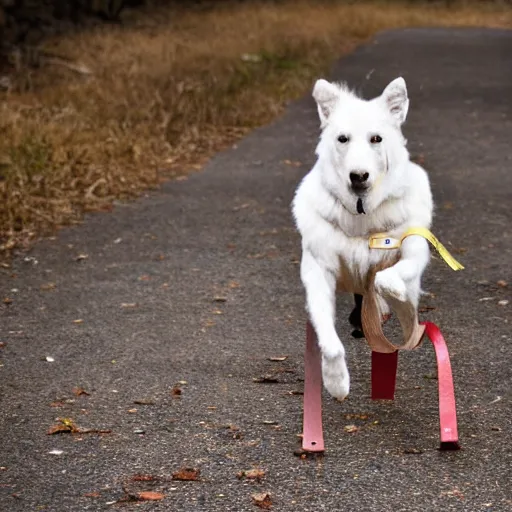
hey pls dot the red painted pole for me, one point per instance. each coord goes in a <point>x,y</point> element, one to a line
<point>313,437</point>
<point>447,407</point>
<point>384,368</point>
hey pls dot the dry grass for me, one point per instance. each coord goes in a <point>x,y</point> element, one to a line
<point>167,90</point>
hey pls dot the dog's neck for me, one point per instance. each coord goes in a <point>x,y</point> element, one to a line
<point>383,218</point>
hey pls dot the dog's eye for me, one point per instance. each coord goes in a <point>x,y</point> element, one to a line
<point>376,139</point>
<point>343,139</point>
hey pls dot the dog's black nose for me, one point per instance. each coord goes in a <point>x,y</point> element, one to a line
<point>358,178</point>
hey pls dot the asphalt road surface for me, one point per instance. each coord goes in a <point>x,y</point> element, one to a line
<point>167,309</point>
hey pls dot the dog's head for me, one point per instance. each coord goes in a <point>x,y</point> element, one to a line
<point>361,142</point>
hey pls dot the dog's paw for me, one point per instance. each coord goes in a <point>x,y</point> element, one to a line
<point>335,376</point>
<point>389,283</point>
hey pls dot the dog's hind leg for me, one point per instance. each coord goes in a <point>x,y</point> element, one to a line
<point>355,317</point>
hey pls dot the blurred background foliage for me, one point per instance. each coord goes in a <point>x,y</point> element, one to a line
<point>102,99</point>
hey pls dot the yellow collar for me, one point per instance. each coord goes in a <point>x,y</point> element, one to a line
<point>384,241</point>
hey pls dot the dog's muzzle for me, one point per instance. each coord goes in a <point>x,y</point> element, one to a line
<point>359,181</point>
<point>359,185</point>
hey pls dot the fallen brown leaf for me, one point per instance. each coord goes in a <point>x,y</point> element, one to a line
<point>7,300</point>
<point>59,429</point>
<point>187,474</point>
<point>57,403</point>
<point>278,358</point>
<point>502,283</point>
<point>64,425</point>
<point>234,284</point>
<point>350,428</point>
<point>150,496</point>
<point>251,474</point>
<point>48,286</point>
<point>92,494</point>
<point>262,500</point>
<point>78,391</point>
<point>67,425</point>
<point>425,309</point>
<point>176,391</point>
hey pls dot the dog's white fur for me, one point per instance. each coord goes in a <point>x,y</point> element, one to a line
<point>334,236</point>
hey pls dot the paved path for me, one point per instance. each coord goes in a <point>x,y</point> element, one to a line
<point>227,233</point>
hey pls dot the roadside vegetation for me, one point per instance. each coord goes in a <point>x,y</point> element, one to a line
<point>109,111</point>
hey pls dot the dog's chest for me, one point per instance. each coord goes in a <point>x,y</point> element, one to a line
<point>355,259</point>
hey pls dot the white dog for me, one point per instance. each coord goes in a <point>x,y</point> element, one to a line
<point>362,183</point>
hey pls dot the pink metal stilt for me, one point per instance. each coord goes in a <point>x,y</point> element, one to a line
<point>384,368</point>
<point>313,437</point>
<point>447,407</point>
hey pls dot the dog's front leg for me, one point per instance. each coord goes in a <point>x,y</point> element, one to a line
<point>402,281</point>
<point>320,285</point>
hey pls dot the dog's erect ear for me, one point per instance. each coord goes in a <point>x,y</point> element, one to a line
<point>396,100</point>
<point>326,95</point>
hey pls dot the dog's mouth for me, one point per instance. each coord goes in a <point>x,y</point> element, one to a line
<point>359,206</point>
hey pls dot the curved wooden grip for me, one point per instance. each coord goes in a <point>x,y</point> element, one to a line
<point>371,317</point>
